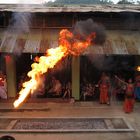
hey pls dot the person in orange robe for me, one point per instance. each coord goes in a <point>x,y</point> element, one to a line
<point>129,97</point>
<point>104,85</point>
<point>104,91</point>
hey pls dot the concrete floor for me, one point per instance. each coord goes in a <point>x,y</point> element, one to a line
<point>77,109</point>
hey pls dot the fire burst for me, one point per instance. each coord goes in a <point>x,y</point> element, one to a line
<point>138,68</point>
<point>69,44</point>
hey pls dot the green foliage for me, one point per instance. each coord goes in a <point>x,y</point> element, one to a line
<point>106,2</point>
<point>126,2</point>
<point>77,2</point>
<point>138,2</point>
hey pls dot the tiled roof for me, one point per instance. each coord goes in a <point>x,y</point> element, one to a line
<point>38,41</point>
<point>79,8</point>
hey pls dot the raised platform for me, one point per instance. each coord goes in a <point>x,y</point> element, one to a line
<point>44,125</point>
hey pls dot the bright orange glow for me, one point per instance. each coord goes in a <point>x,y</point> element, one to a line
<point>68,45</point>
<point>138,68</point>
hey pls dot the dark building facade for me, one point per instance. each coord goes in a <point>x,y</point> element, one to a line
<point>31,30</point>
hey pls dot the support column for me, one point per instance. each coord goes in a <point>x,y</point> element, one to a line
<point>10,76</point>
<point>137,63</point>
<point>76,77</point>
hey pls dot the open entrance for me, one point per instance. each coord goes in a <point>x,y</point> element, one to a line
<point>92,67</point>
<point>53,83</point>
<point>2,64</point>
<point>3,80</point>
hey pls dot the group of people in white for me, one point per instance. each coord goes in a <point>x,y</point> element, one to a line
<point>54,88</point>
<point>57,89</point>
<point>3,86</point>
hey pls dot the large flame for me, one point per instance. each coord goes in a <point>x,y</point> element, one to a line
<point>138,68</point>
<point>69,44</point>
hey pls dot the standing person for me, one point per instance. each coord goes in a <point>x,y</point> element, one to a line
<point>104,88</point>
<point>129,96</point>
<point>137,88</point>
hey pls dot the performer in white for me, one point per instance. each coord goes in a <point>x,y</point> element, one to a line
<point>3,87</point>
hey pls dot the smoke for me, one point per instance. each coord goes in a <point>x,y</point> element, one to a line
<point>87,27</point>
<point>102,62</point>
<point>84,29</point>
<point>19,25</point>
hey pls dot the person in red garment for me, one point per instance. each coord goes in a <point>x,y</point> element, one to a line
<point>104,86</point>
<point>129,96</point>
<point>103,93</point>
